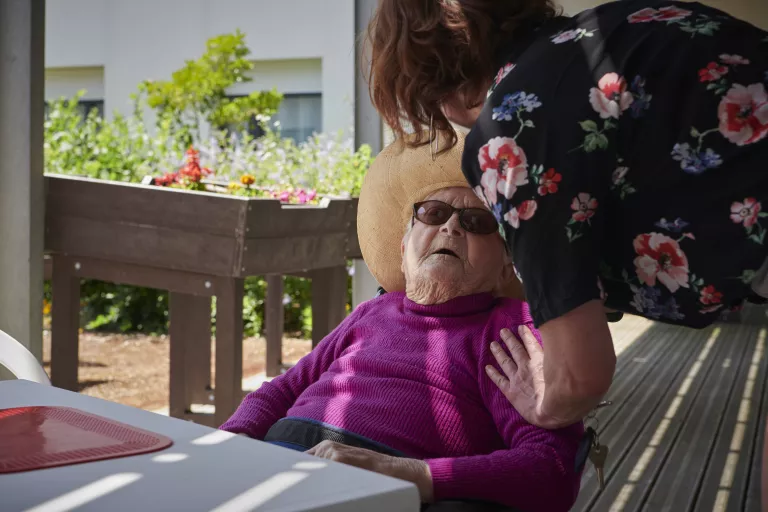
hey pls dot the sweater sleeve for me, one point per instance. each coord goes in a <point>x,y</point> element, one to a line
<point>535,472</point>
<point>260,409</point>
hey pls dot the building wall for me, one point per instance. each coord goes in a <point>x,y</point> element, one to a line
<point>300,46</point>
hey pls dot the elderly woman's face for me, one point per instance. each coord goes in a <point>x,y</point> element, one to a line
<point>445,261</point>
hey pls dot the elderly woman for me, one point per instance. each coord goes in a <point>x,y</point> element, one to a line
<point>623,150</point>
<point>400,387</point>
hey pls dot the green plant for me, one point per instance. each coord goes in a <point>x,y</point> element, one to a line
<point>198,92</point>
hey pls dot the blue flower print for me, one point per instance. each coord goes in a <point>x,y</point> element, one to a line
<point>647,302</point>
<point>514,103</point>
<point>677,226</point>
<point>695,161</point>
<point>642,100</point>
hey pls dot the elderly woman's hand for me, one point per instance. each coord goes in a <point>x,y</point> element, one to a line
<point>523,379</point>
<point>411,470</point>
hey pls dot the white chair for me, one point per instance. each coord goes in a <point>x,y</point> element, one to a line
<point>20,361</point>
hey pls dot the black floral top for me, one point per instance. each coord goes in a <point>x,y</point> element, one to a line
<point>625,154</point>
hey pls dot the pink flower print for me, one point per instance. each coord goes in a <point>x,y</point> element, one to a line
<point>584,207</point>
<point>610,98</point>
<point>733,60</point>
<point>746,212</point>
<point>564,37</point>
<point>660,257</point>
<point>504,166</point>
<point>619,174</point>
<point>743,114</point>
<point>525,211</point>
<point>503,72</point>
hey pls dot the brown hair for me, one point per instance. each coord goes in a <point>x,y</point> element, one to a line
<point>425,52</point>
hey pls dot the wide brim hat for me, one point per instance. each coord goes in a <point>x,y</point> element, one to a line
<point>399,177</point>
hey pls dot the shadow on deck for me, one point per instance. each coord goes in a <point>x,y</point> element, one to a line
<point>686,429</point>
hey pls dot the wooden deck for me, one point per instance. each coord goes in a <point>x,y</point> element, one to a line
<point>687,425</point>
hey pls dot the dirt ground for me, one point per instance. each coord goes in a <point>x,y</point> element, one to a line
<point>133,369</point>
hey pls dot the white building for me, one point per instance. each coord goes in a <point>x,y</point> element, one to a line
<point>303,48</point>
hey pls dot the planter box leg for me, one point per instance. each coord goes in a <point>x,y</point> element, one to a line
<point>274,320</point>
<point>65,323</point>
<point>229,348</point>
<point>190,339</point>
<point>329,301</point>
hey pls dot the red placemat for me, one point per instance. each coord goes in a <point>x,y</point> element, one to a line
<point>43,437</point>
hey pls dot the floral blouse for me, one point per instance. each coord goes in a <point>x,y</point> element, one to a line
<point>625,154</point>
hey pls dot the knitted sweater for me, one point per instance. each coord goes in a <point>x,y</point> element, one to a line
<point>412,377</point>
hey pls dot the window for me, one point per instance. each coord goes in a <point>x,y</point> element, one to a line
<point>299,115</point>
<point>84,107</point>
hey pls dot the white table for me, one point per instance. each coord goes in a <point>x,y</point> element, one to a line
<point>204,470</point>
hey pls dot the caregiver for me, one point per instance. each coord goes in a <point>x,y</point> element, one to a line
<point>624,151</point>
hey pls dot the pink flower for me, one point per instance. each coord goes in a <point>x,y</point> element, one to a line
<point>311,195</point>
<point>709,295</point>
<point>504,166</point>
<point>712,72</point>
<point>643,15</point>
<point>525,211</point>
<point>619,174</point>
<point>503,72</point>
<point>285,197</point>
<point>734,60</point>
<point>301,197</point>
<point>480,192</point>
<point>660,257</point>
<point>746,212</point>
<point>672,13</point>
<point>548,183</point>
<point>584,207</point>
<point>743,114</point>
<point>610,98</point>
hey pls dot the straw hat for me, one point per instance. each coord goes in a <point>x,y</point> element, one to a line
<point>398,178</point>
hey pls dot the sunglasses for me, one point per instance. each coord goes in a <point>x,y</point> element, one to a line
<point>474,220</point>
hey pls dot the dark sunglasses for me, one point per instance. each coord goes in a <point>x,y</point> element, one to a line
<point>474,220</point>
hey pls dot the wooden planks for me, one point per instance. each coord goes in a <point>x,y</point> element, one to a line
<point>686,429</point>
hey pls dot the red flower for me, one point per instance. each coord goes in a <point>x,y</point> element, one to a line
<point>648,14</point>
<point>712,72</point>
<point>710,295</point>
<point>525,211</point>
<point>643,16</point>
<point>610,98</point>
<point>660,257</point>
<point>548,183</point>
<point>672,13</point>
<point>504,166</point>
<point>584,207</point>
<point>743,114</point>
<point>746,212</point>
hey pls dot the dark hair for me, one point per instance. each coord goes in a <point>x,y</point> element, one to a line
<point>424,52</point>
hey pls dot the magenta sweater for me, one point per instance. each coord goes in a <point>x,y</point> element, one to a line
<point>412,377</point>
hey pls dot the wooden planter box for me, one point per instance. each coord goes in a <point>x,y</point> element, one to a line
<point>196,245</point>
